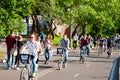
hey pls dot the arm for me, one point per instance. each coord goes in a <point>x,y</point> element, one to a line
<point>23,48</point>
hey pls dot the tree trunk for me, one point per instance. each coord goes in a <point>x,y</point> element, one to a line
<point>36,25</point>
<point>75,30</point>
<point>51,30</point>
<point>84,29</point>
<point>34,22</point>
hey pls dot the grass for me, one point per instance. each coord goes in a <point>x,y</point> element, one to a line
<point>2,54</point>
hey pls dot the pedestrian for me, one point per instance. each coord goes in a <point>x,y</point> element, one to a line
<point>47,45</point>
<point>42,36</point>
<point>75,40</point>
<point>19,46</point>
<point>95,42</point>
<point>64,43</point>
<point>90,40</point>
<point>10,42</point>
<point>39,47</point>
<point>32,49</point>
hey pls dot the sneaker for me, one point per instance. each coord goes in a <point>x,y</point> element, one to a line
<point>46,62</point>
<point>13,67</point>
<point>17,68</point>
<point>9,68</point>
<point>79,59</point>
<point>33,75</point>
<point>64,64</point>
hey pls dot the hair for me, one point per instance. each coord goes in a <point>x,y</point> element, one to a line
<point>20,37</point>
<point>37,38</point>
<point>11,32</point>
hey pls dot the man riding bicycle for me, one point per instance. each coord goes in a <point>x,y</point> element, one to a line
<point>83,43</point>
<point>64,43</point>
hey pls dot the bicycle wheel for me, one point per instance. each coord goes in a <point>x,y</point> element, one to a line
<point>24,74</point>
<point>60,64</point>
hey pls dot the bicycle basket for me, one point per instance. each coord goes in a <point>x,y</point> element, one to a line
<point>83,47</point>
<point>24,58</point>
<point>59,50</point>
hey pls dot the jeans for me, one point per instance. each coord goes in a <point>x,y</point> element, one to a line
<point>65,51</point>
<point>82,51</point>
<point>88,50</point>
<point>47,54</point>
<point>34,64</point>
<point>9,58</point>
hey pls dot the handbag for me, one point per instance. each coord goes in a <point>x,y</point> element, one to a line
<point>14,51</point>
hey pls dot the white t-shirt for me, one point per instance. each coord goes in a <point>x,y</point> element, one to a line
<point>75,38</point>
<point>48,43</point>
<point>32,47</point>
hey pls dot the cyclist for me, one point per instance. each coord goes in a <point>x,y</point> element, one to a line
<point>64,43</point>
<point>83,42</point>
<point>105,44</point>
<point>109,46</point>
<point>33,51</point>
<point>101,45</point>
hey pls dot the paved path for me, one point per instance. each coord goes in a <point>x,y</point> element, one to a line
<point>95,68</point>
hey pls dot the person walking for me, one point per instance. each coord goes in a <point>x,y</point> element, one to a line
<point>39,47</point>
<point>10,42</point>
<point>47,45</point>
<point>42,36</point>
<point>19,46</point>
<point>75,40</point>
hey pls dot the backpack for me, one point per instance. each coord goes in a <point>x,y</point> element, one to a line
<point>101,42</point>
<point>84,42</point>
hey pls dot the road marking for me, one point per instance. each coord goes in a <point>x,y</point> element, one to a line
<point>40,74</point>
<point>76,75</point>
<point>44,73</point>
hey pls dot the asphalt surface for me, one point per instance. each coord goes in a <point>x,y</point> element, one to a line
<point>95,67</point>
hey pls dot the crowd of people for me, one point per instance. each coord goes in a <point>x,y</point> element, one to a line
<point>36,43</point>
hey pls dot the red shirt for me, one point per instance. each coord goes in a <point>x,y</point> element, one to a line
<point>82,42</point>
<point>10,41</point>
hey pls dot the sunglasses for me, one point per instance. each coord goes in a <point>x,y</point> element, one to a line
<point>31,37</point>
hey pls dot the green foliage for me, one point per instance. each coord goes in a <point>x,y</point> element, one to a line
<point>100,16</point>
<point>12,13</point>
<point>2,54</point>
<point>56,40</point>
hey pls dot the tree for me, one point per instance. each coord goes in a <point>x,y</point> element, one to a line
<point>12,13</point>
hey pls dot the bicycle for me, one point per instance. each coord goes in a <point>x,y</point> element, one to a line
<point>84,51</point>
<point>26,72</point>
<point>109,52</point>
<point>100,50</point>
<point>61,64</point>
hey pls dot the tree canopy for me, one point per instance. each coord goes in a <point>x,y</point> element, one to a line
<point>97,17</point>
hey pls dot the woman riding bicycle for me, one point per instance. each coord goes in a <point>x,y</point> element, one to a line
<point>33,52</point>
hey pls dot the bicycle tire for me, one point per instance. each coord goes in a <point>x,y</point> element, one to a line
<point>60,64</point>
<point>24,75</point>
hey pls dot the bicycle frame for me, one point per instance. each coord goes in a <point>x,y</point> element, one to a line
<point>25,59</point>
<point>83,52</point>
<point>60,60</point>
